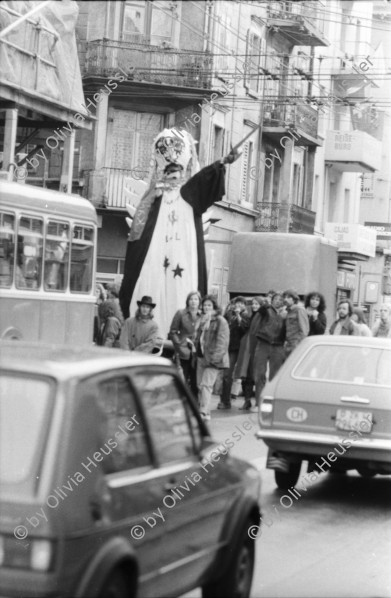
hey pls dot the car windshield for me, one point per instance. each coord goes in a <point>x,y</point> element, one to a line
<point>343,363</point>
<point>25,410</point>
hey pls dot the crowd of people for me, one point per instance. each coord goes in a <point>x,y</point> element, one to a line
<point>247,342</point>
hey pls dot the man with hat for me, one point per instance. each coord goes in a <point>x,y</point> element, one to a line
<point>238,320</point>
<point>140,333</point>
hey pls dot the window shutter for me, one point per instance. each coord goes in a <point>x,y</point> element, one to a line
<point>245,167</point>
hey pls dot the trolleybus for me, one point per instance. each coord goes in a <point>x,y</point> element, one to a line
<point>47,265</point>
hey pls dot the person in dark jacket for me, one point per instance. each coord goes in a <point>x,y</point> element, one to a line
<point>270,342</point>
<point>183,331</point>
<point>315,305</point>
<point>212,343</point>
<point>244,368</point>
<point>238,322</point>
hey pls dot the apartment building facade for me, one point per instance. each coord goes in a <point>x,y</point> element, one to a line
<point>305,78</point>
<point>348,166</point>
<point>220,70</point>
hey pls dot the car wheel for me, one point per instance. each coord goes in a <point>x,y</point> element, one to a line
<point>237,582</point>
<point>115,586</point>
<point>286,479</point>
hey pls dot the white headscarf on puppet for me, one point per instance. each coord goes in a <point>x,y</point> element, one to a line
<point>171,146</point>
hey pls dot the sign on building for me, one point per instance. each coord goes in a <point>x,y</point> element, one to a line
<point>353,238</point>
<point>382,229</point>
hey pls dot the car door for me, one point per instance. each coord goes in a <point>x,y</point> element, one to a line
<point>131,486</point>
<point>195,495</point>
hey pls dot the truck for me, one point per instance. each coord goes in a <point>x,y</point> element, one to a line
<point>261,262</point>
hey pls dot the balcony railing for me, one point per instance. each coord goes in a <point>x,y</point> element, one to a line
<point>106,187</point>
<point>305,20</point>
<point>281,217</point>
<point>115,185</point>
<point>300,115</point>
<point>152,64</point>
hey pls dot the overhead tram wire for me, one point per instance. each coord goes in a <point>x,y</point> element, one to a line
<point>229,54</point>
<point>244,39</point>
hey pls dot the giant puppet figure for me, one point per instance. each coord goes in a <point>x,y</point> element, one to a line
<point>165,256</point>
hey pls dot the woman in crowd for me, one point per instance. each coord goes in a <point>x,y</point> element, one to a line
<point>244,364</point>
<point>212,342</point>
<point>111,320</point>
<point>315,305</point>
<point>359,319</point>
<point>183,331</point>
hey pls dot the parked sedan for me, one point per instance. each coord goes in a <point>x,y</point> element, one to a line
<point>329,404</point>
<point>110,483</point>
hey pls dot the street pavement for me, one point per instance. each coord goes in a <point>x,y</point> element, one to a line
<point>334,541</point>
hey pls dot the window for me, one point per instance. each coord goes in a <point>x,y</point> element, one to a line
<point>123,438</point>
<point>297,185</point>
<point>346,205</point>
<point>224,39</point>
<point>25,411</point>
<point>29,253</point>
<point>56,256</point>
<point>82,252</point>
<point>218,143</point>
<point>7,248</point>
<point>332,216</point>
<point>274,72</point>
<point>168,416</point>
<point>254,60</point>
<point>148,23</point>
<point>134,21</point>
<point>357,365</point>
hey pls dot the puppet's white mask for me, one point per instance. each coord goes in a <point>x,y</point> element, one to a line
<point>175,147</point>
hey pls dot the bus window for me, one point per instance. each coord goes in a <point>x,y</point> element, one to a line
<point>7,248</point>
<point>82,255</point>
<point>29,253</point>
<point>56,256</point>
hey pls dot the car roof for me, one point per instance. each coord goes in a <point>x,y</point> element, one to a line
<point>65,362</point>
<point>362,341</point>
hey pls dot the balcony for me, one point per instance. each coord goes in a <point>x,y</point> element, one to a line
<point>301,117</point>
<point>282,217</point>
<point>301,22</point>
<point>352,151</point>
<point>149,64</point>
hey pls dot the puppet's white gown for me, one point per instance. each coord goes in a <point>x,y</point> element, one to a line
<point>170,270</point>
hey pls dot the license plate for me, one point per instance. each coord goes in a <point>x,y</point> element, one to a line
<point>346,419</point>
